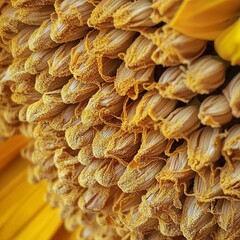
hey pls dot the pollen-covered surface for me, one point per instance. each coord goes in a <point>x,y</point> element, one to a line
<point>134,125</point>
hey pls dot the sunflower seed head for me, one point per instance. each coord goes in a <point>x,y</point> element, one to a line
<point>133,15</point>
<point>40,38</point>
<point>130,82</point>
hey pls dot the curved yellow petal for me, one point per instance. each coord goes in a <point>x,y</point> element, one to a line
<point>205,19</point>
<point>227,43</point>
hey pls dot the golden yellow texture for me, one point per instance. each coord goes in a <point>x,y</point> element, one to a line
<point>133,124</point>
<point>212,20</point>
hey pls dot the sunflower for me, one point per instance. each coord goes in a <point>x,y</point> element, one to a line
<point>127,113</point>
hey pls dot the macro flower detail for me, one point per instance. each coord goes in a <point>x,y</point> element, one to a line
<point>194,18</point>
<point>126,112</point>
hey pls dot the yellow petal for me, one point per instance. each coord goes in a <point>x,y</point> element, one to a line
<point>205,19</point>
<point>10,149</point>
<point>227,43</point>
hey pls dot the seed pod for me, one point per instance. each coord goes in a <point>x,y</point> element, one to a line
<point>40,38</point>
<point>63,31</point>
<point>228,219</point>
<point>134,180</point>
<point>214,111</point>
<point>79,135</point>
<point>112,42</point>
<point>76,12</point>
<point>231,92</point>
<point>83,65</point>
<point>195,223</point>
<point>49,142</point>
<point>152,108</point>
<point>85,155</point>
<point>171,85</point>
<point>107,68</point>
<point>25,98</point>
<point>20,44</point>
<point>180,123</point>
<point>24,92</point>
<point>122,146</point>
<point>68,166</point>
<point>230,178</point>
<point>94,198</point>
<point>170,51</point>
<point>17,71</point>
<point>167,226</point>
<point>59,62</point>
<point>34,15</point>
<point>10,24</point>
<point>152,146</point>
<point>86,177</point>
<point>160,198</point>
<point>76,91</point>
<point>134,16</point>
<point>177,169</point>
<point>101,16</point>
<point>126,202</point>
<point>138,55</point>
<point>127,116</point>
<point>164,10</point>
<point>25,86</point>
<point>102,106</point>
<point>109,172</point>
<point>31,3</point>
<point>202,152</point>
<point>22,98</point>
<point>205,74</point>
<point>45,108</point>
<point>37,61</point>
<point>140,223</point>
<point>101,140</point>
<point>45,82</point>
<point>130,82</point>
<point>206,188</point>
<point>43,129</point>
<point>230,149</point>
<point>173,178</point>
<point>127,208</point>
<point>66,118</point>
